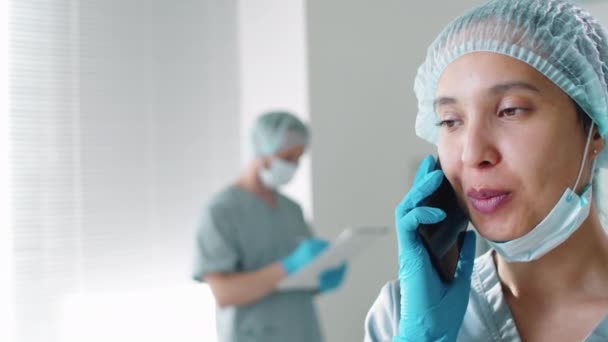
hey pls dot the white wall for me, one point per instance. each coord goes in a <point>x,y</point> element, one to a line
<point>159,102</point>
<point>362,60</point>
<point>597,8</point>
<point>273,75</point>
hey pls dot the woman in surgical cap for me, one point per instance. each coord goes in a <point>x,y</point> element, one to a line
<point>252,236</point>
<point>514,95</point>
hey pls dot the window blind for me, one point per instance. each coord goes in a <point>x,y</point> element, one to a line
<point>45,160</point>
<point>123,121</point>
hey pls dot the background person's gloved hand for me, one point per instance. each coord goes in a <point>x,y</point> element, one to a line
<point>306,252</point>
<point>332,278</point>
<point>430,309</point>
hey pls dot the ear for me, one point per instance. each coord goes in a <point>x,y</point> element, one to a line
<point>597,144</point>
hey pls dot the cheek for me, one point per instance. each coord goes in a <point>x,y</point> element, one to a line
<point>543,158</point>
<point>449,148</point>
<point>528,165</point>
<point>450,155</point>
<point>522,152</point>
<point>541,165</point>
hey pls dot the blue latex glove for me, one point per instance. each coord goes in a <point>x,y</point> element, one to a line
<point>332,278</point>
<point>306,251</point>
<point>430,309</point>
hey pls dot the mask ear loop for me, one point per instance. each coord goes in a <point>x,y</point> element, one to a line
<point>580,170</point>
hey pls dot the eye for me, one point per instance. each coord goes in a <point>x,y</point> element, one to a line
<point>511,111</point>
<point>449,123</point>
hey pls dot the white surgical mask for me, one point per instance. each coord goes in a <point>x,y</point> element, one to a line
<point>562,221</point>
<point>279,173</point>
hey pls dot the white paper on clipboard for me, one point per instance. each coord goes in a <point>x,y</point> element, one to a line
<point>349,243</point>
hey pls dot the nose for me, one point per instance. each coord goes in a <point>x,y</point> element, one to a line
<point>479,149</point>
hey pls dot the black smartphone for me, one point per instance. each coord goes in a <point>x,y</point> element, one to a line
<point>443,240</point>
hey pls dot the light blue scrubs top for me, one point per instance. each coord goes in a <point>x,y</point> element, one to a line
<point>487,319</point>
<point>239,232</point>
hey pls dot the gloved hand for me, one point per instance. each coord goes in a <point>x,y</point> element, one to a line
<point>430,309</point>
<point>306,251</point>
<point>332,278</point>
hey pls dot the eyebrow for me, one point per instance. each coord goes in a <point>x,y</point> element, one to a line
<point>494,90</point>
<point>443,101</point>
<point>504,87</point>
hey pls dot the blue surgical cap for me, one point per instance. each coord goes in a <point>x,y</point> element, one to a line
<point>560,40</point>
<point>275,131</point>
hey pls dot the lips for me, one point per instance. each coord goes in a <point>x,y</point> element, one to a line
<point>488,201</point>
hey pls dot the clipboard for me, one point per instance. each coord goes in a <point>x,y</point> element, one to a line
<point>344,248</point>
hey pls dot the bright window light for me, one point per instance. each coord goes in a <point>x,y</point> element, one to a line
<point>184,314</point>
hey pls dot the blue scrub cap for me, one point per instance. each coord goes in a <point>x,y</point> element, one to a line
<point>278,130</point>
<point>560,40</point>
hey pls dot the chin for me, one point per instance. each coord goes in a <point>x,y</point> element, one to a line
<point>498,232</point>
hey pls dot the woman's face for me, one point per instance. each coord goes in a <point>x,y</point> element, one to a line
<point>510,142</point>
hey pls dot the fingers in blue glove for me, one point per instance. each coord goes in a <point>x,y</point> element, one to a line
<point>306,251</point>
<point>314,246</point>
<point>426,166</point>
<point>419,191</point>
<point>332,278</point>
<point>407,225</point>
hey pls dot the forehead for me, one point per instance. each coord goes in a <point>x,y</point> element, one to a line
<point>482,71</point>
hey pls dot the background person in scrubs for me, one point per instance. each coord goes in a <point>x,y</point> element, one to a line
<point>515,96</point>
<point>252,236</point>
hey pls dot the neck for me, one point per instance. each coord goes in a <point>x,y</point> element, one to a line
<point>577,266</point>
<point>249,180</point>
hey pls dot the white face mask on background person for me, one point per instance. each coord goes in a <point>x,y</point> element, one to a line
<point>560,223</point>
<point>278,173</point>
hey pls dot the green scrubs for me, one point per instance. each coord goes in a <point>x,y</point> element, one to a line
<point>239,233</point>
